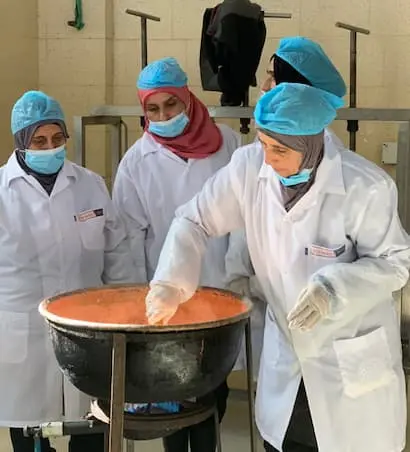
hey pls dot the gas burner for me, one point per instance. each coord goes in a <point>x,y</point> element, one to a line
<point>156,423</point>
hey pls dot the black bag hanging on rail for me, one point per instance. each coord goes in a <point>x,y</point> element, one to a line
<point>233,36</point>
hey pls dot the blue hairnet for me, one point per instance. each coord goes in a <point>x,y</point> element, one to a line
<point>162,73</point>
<point>295,109</point>
<point>309,59</point>
<point>34,107</point>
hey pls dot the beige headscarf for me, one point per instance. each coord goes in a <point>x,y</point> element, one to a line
<point>312,148</point>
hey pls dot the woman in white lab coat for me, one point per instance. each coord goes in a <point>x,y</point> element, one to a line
<point>328,249</point>
<point>296,60</point>
<point>180,149</point>
<point>58,232</point>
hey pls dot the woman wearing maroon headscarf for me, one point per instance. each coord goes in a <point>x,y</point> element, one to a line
<point>180,149</point>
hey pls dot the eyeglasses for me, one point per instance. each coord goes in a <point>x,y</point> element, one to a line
<point>43,142</point>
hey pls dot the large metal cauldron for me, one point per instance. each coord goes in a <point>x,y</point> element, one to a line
<point>163,363</point>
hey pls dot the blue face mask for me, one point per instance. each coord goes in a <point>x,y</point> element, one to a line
<point>45,162</point>
<point>296,179</point>
<point>171,128</point>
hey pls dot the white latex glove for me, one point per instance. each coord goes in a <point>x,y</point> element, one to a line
<point>312,306</point>
<point>240,286</point>
<point>162,303</point>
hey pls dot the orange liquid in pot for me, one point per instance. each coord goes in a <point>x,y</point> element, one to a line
<point>126,306</point>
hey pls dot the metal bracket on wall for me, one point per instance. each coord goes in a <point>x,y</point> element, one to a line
<point>144,40</point>
<point>353,125</point>
<point>144,32</point>
<point>113,115</point>
<point>277,15</point>
<point>117,125</point>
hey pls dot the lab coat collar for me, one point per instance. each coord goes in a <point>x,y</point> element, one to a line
<point>15,171</point>
<point>148,145</point>
<point>329,176</point>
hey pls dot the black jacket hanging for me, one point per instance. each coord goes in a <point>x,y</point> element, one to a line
<point>231,48</point>
<point>207,56</point>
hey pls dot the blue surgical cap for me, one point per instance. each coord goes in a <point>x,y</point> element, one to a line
<point>34,107</point>
<point>163,73</point>
<point>309,59</point>
<point>295,109</point>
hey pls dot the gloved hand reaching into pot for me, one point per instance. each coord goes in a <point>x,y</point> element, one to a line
<point>162,303</point>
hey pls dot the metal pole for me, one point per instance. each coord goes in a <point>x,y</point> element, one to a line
<point>144,34</point>
<point>105,112</point>
<point>353,125</point>
<point>277,15</point>
<point>126,145</point>
<point>144,42</point>
<point>132,12</point>
<point>363,31</point>
<point>249,375</point>
<point>117,393</point>
<point>116,147</point>
<point>79,141</point>
<point>245,122</point>
<point>144,55</point>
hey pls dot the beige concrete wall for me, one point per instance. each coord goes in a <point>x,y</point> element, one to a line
<point>18,61</point>
<point>100,63</point>
<point>383,65</point>
<point>76,67</point>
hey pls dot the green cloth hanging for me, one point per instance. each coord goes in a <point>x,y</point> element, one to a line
<point>78,20</point>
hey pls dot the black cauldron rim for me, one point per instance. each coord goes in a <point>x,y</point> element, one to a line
<point>64,322</point>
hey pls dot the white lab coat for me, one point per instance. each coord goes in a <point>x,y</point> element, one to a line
<point>239,268</point>
<point>151,183</point>
<point>238,264</point>
<point>43,252</point>
<point>351,364</point>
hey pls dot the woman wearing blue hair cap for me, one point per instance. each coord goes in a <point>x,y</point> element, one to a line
<point>301,60</point>
<point>59,232</point>
<point>301,131</point>
<point>180,149</point>
<point>328,250</point>
<point>296,60</point>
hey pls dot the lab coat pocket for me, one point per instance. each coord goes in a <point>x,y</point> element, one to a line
<point>14,329</point>
<point>365,363</point>
<point>92,233</point>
